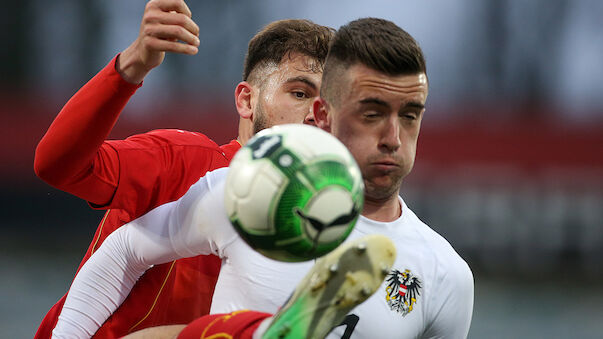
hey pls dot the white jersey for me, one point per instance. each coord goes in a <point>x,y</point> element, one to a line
<point>428,293</point>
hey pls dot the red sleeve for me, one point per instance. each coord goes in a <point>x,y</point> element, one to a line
<point>160,166</point>
<point>71,148</point>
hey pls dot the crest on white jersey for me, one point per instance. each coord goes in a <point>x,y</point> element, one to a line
<point>402,291</point>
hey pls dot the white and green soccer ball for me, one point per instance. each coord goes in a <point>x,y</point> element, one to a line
<point>294,192</point>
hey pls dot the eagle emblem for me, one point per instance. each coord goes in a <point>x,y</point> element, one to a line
<point>402,291</point>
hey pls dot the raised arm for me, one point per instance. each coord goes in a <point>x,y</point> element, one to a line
<point>190,226</point>
<point>72,150</point>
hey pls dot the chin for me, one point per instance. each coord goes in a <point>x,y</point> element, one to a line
<point>381,192</point>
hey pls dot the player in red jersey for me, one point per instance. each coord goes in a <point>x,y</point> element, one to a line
<point>130,177</point>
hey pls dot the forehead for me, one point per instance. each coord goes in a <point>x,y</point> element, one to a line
<point>295,64</point>
<point>366,82</point>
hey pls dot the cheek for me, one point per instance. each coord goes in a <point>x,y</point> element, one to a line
<point>355,139</point>
<point>409,150</point>
<point>358,148</point>
<point>411,137</point>
<point>289,109</point>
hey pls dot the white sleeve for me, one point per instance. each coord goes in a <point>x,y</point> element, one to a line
<point>453,306</point>
<point>187,227</point>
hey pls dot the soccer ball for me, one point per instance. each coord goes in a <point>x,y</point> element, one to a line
<point>294,192</point>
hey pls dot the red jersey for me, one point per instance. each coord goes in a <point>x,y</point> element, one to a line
<point>140,173</point>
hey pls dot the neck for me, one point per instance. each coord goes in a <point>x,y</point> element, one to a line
<point>386,210</point>
<point>245,131</point>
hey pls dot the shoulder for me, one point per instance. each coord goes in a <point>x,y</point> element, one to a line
<point>165,138</point>
<point>217,177</point>
<point>212,181</point>
<point>230,148</point>
<point>181,137</point>
<point>173,146</point>
<point>191,140</point>
<point>448,280</point>
<point>450,265</point>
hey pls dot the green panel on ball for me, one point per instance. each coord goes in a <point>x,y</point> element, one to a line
<point>324,172</point>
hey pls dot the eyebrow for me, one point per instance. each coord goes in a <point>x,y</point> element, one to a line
<point>377,101</point>
<point>302,79</point>
<point>415,104</point>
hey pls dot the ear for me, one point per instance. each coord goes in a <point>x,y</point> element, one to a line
<point>321,114</point>
<point>243,94</point>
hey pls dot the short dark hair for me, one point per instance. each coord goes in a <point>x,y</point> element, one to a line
<point>281,38</point>
<point>376,43</point>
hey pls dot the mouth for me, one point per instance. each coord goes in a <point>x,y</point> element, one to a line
<point>386,165</point>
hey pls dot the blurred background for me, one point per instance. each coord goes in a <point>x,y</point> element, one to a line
<point>509,166</point>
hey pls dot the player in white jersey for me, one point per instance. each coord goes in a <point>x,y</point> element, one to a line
<point>372,99</point>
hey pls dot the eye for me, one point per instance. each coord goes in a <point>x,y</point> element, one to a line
<point>299,94</point>
<point>371,115</point>
<point>409,115</point>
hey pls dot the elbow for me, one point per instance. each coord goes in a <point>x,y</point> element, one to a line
<point>41,165</point>
<point>47,168</point>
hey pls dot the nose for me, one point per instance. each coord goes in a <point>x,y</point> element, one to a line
<point>390,138</point>
<point>309,119</point>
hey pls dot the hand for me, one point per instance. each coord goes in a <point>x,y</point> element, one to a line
<point>166,27</point>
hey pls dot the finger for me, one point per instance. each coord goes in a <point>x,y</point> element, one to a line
<point>172,18</point>
<point>172,33</point>
<point>187,10</point>
<point>170,46</point>
<point>178,6</point>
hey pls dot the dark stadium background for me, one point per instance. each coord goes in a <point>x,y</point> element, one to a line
<point>509,166</point>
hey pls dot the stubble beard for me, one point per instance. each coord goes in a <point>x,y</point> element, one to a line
<point>378,193</point>
<point>259,121</point>
<point>377,190</point>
